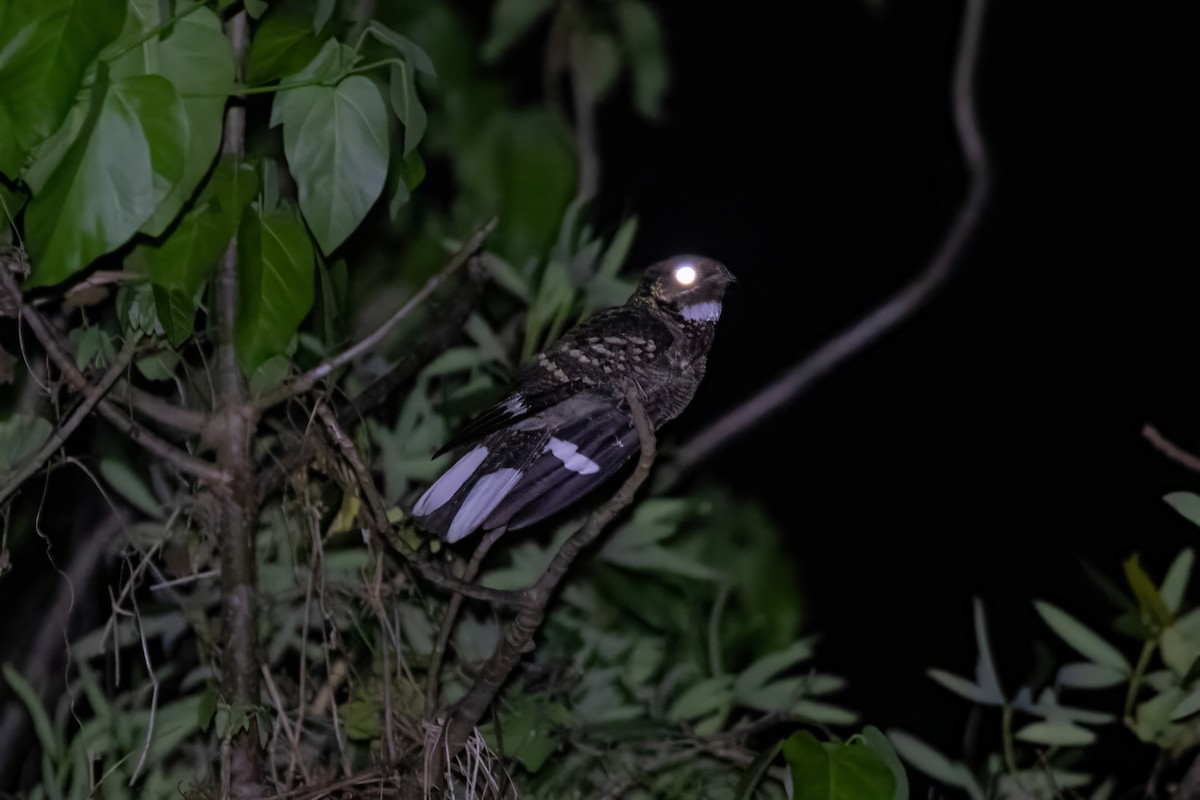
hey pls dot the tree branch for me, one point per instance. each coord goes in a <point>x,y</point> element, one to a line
<point>445,328</point>
<point>154,408</point>
<point>237,516</point>
<point>896,309</point>
<point>434,673</point>
<point>518,634</point>
<point>120,364</point>
<point>308,380</point>
<point>1170,449</point>
<point>181,460</point>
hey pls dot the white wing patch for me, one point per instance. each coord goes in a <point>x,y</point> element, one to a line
<point>572,459</point>
<point>451,481</point>
<point>515,404</point>
<point>485,495</point>
<point>709,311</point>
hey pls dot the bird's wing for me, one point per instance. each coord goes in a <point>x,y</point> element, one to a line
<point>522,474</point>
<point>513,408</point>
<point>576,459</point>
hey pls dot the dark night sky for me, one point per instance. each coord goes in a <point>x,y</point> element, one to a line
<point>991,443</point>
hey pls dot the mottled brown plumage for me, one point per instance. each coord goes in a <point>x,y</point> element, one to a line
<point>565,426</point>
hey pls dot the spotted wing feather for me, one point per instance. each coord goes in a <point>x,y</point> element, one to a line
<point>589,451</point>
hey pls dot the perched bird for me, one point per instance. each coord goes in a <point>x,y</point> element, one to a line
<point>566,425</point>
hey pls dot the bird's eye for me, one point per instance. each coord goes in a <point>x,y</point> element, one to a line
<point>685,274</point>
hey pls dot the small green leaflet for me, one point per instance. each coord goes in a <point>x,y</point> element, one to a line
<point>275,291</point>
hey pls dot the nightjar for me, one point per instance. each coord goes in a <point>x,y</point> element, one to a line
<point>565,425</point>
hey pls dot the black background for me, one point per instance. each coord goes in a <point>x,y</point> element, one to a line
<point>994,441</point>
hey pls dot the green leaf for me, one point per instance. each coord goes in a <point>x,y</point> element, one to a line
<point>275,288</point>
<point>1056,734</point>
<point>198,60</point>
<point>965,688</point>
<point>1082,638</point>
<point>42,726</point>
<point>283,44</point>
<point>822,713</point>
<point>1153,717</point>
<point>1187,504</point>
<point>21,435</point>
<point>986,676</point>
<point>87,207</point>
<point>182,264</point>
<point>505,275</point>
<point>1153,608</point>
<point>520,168</point>
<point>207,707</point>
<point>1186,707</point>
<point>530,728</point>
<point>406,48</point>
<point>757,674</point>
<point>654,520</point>
<point>754,773</point>
<point>1174,585</point>
<point>655,559</point>
<point>702,699</point>
<point>159,365</point>
<point>361,716</point>
<point>1086,675</point>
<point>409,175</point>
<point>880,746</point>
<point>618,249</point>
<point>511,20</point>
<point>1180,643</point>
<point>934,764</point>
<point>832,771</point>
<point>45,49</point>
<point>597,64</point>
<point>255,8</point>
<point>407,104</point>
<point>323,13</point>
<point>130,486</point>
<point>643,39</point>
<point>335,139</point>
<point>328,66</point>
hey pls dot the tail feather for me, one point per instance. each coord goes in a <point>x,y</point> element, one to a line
<point>470,490</point>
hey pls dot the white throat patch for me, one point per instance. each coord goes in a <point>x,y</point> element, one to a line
<point>702,312</point>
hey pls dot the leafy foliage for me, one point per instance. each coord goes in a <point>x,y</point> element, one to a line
<point>671,665</point>
<point>1045,744</point>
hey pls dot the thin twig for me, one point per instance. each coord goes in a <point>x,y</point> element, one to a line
<point>137,615</point>
<point>308,380</point>
<point>1170,449</point>
<point>181,460</point>
<point>151,406</point>
<point>433,674</point>
<point>291,732</point>
<point>362,475</point>
<point>60,436</point>
<point>518,634</point>
<point>896,309</point>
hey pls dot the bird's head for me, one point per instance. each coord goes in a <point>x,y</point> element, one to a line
<point>689,285</point>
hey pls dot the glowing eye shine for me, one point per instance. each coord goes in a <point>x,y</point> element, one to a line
<point>685,274</point>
